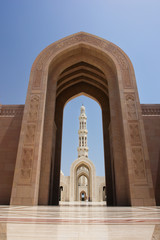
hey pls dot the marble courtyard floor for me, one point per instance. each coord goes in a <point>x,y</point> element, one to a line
<point>79,221</point>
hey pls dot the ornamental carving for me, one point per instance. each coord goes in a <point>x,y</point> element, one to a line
<point>37,79</point>
<point>131,107</point>
<point>30,134</point>
<point>42,59</point>
<point>97,42</point>
<point>26,173</point>
<point>150,109</point>
<point>55,47</point>
<point>138,163</point>
<point>40,64</point>
<point>68,41</point>
<point>134,133</point>
<point>126,79</point>
<point>33,109</point>
<point>120,58</point>
<point>11,111</point>
<point>27,160</point>
<point>106,46</point>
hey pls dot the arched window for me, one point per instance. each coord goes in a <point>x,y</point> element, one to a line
<point>82,141</point>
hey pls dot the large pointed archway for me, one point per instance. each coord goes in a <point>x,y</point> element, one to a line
<point>82,63</point>
<point>90,175</point>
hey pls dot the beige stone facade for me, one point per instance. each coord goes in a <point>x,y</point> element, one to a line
<point>80,64</point>
<point>82,184</point>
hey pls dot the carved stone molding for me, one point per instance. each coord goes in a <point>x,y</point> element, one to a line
<point>138,163</point>
<point>131,107</point>
<point>26,165</point>
<point>134,133</point>
<point>11,110</point>
<point>37,79</point>
<point>88,39</point>
<point>30,134</point>
<point>52,49</point>
<point>34,107</point>
<point>126,79</point>
<point>29,140</point>
<point>150,109</point>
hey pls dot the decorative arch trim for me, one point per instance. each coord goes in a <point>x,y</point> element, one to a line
<point>73,176</point>
<point>130,152</point>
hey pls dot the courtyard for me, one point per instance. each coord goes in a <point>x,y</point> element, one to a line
<point>79,221</point>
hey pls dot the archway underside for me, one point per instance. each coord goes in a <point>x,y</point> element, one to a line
<point>62,98</point>
<point>74,75</point>
<point>82,78</point>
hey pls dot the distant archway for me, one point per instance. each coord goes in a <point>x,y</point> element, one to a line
<point>82,63</point>
<point>63,192</point>
<point>82,161</point>
<point>83,196</point>
<point>102,193</point>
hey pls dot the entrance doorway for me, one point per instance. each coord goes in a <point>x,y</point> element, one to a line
<point>60,192</point>
<point>91,91</point>
<point>70,128</point>
<point>86,173</point>
<point>83,196</point>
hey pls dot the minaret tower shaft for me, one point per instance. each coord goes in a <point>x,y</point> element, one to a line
<point>83,148</point>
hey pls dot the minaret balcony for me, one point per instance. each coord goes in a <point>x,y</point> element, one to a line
<point>85,149</point>
<point>81,131</point>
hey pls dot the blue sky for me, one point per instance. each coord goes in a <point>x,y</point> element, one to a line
<point>28,26</point>
<point>70,133</point>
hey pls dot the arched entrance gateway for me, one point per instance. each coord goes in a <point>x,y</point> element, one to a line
<point>82,167</point>
<point>82,63</point>
<point>83,196</point>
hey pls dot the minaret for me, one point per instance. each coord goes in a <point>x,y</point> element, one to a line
<point>82,149</point>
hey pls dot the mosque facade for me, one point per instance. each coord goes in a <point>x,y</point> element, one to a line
<point>82,184</point>
<point>31,134</point>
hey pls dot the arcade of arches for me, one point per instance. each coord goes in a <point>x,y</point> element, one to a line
<point>31,135</point>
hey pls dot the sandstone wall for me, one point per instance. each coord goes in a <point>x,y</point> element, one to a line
<point>10,125</point>
<point>151,118</point>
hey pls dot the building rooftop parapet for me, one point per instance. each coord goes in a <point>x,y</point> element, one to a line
<point>150,109</point>
<point>11,110</point>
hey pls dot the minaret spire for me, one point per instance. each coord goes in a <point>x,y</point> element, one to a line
<point>83,148</point>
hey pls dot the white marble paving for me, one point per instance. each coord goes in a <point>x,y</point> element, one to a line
<point>27,231</point>
<point>79,222</point>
